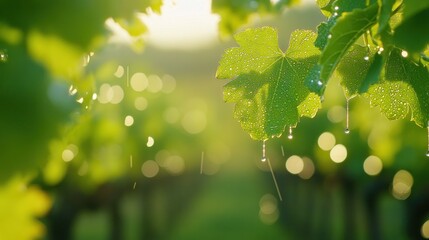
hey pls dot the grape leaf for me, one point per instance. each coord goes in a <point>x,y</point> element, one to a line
<point>334,9</point>
<point>349,27</point>
<point>404,88</point>
<point>268,88</point>
<point>353,69</point>
<point>413,33</point>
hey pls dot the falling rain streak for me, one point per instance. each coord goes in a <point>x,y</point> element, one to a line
<point>347,130</point>
<point>131,161</point>
<point>202,162</point>
<point>290,136</point>
<point>283,151</point>
<point>265,159</point>
<point>134,186</point>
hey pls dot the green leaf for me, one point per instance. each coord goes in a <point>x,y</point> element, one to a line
<point>384,14</point>
<point>373,74</point>
<point>413,7</point>
<point>335,10</point>
<point>269,89</point>
<point>349,27</point>
<point>413,33</point>
<point>404,89</point>
<point>353,69</point>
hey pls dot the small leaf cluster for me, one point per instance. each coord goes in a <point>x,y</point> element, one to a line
<point>378,49</point>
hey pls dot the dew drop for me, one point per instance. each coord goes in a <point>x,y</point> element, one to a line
<point>290,136</point>
<point>347,130</point>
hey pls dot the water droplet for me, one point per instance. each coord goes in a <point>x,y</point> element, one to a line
<point>366,58</point>
<point>336,8</point>
<point>329,36</point>
<point>150,141</point>
<point>290,136</point>
<point>404,53</point>
<point>347,130</point>
<point>3,56</point>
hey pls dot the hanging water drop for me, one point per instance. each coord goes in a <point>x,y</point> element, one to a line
<point>347,130</point>
<point>290,136</point>
<point>264,157</point>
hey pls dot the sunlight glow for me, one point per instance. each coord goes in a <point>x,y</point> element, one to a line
<point>182,24</point>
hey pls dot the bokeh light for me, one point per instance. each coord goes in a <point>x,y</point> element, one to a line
<point>336,114</point>
<point>150,168</point>
<point>402,183</point>
<point>140,103</point>
<point>150,142</point>
<point>194,121</point>
<point>139,82</point>
<point>70,153</point>
<point>268,212</point>
<point>425,229</point>
<point>294,164</point>
<point>128,121</point>
<point>326,141</point>
<point>372,165</point>
<point>308,170</point>
<point>338,153</point>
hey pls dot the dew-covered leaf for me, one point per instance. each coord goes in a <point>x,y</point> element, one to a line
<point>359,69</point>
<point>269,89</point>
<point>334,9</point>
<point>404,89</point>
<point>353,69</point>
<point>349,27</point>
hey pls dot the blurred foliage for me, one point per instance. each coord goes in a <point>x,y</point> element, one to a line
<point>20,206</point>
<point>236,13</point>
<point>116,142</point>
